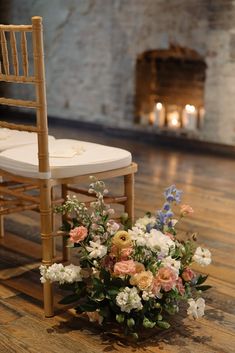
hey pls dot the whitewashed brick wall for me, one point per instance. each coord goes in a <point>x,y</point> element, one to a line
<point>91,48</point>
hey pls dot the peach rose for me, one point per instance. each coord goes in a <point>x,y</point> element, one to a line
<point>186,210</point>
<point>122,253</point>
<point>94,316</point>
<point>78,234</point>
<point>124,267</point>
<point>139,267</point>
<point>166,277</point>
<point>180,286</point>
<point>143,280</point>
<point>188,274</point>
<point>156,287</point>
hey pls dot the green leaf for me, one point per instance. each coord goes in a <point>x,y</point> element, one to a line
<point>135,336</point>
<point>90,306</point>
<point>203,288</point>
<point>163,324</point>
<point>69,299</point>
<point>66,226</point>
<point>113,292</point>
<point>130,322</point>
<point>147,323</point>
<point>105,275</point>
<point>68,286</point>
<point>105,312</point>
<point>120,318</point>
<point>201,279</point>
<point>97,283</point>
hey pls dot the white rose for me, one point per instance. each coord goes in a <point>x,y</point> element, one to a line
<point>196,308</point>
<point>157,241</point>
<point>202,256</point>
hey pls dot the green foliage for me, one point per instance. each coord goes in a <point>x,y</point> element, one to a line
<point>69,299</point>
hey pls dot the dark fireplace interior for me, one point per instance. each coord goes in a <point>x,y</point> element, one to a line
<point>170,88</point>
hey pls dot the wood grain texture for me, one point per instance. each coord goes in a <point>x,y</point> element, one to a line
<point>209,186</point>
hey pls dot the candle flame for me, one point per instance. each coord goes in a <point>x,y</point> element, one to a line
<point>190,108</point>
<point>159,106</point>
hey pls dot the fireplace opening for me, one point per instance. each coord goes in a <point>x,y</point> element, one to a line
<point>170,89</point>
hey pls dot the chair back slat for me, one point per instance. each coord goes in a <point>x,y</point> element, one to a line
<point>4,53</point>
<point>20,64</point>
<point>16,67</point>
<point>24,53</point>
<point>17,79</point>
<point>18,71</point>
<point>18,103</point>
<point>14,53</point>
<point>19,127</point>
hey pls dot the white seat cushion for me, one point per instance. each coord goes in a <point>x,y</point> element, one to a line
<point>13,138</point>
<point>68,158</point>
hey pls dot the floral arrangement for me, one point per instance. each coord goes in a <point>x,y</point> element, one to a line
<point>133,276</point>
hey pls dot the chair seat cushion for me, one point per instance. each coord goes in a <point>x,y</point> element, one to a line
<point>13,138</point>
<point>68,158</point>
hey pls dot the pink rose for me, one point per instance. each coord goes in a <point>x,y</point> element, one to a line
<point>186,210</point>
<point>78,234</point>
<point>180,286</point>
<point>188,274</point>
<point>124,267</point>
<point>123,254</point>
<point>156,287</point>
<point>126,252</point>
<point>166,277</point>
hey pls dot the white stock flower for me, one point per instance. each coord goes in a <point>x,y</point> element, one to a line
<point>202,256</point>
<point>96,249</point>
<point>138,235</point>
<point>157,241</point>
<point>144,221</point>
<point>196,308</point>
<point>172,263</point>
<point>60,273</point>
<point>147,295</point>
<point>129,299</point>
<point>112,227</point>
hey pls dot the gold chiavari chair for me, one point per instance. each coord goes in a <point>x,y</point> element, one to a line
<point>71,162</point>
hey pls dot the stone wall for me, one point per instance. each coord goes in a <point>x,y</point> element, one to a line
<point>91,47</point>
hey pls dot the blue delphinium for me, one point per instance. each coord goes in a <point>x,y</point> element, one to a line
<point>172,194</point>
<point>165,215</point>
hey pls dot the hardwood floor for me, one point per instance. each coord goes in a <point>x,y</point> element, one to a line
<point>208,182</point>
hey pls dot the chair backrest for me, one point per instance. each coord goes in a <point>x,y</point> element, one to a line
<point>16,70</point>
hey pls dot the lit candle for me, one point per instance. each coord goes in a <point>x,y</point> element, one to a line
<point>159,114</point>
<point>190,117</point>
<point>173,119</point>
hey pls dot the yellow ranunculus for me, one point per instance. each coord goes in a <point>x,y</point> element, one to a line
<point>122,239</point>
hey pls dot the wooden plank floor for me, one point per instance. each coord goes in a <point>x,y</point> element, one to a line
<point>209,185</point>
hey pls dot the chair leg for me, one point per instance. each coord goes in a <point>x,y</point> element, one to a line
<point>47,242</point>
<point>65,249</point>
<point>129,192</point>
<point>53,223</point>
<point>2,226</point>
